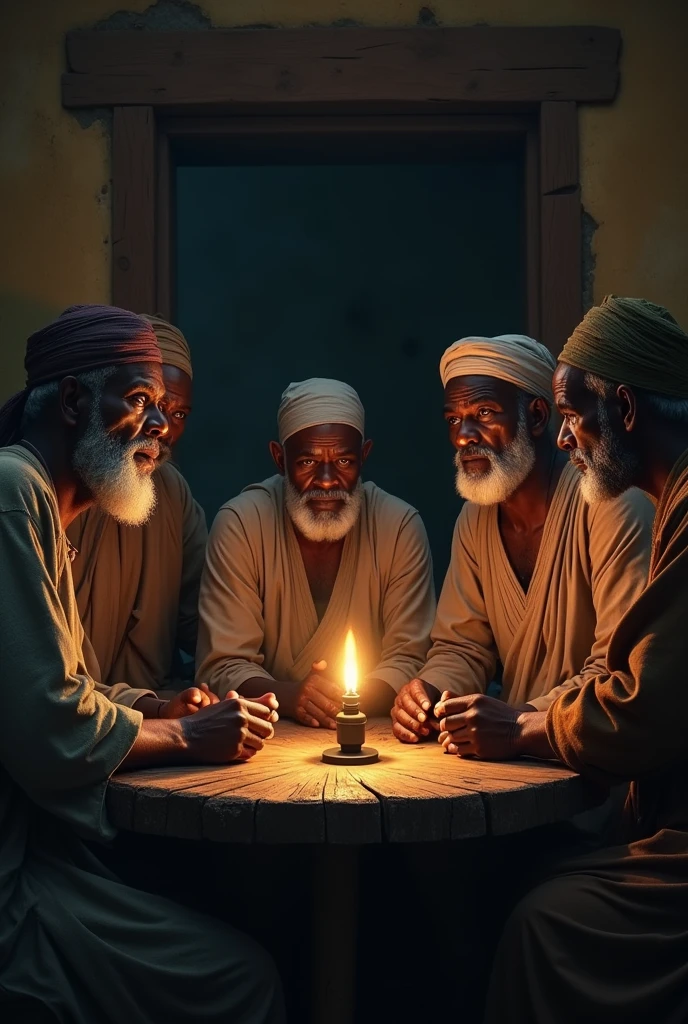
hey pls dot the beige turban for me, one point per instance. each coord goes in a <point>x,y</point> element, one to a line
<point>631,341</point>
<point>513,357</point>
<point>318,400</point>
<point>173,344</point>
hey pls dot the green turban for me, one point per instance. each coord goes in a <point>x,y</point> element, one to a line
<point>631,341</point>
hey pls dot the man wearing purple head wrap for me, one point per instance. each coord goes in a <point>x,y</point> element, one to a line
<point>86,430</point>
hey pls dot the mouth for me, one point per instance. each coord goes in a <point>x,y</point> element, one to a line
<point>475,463</point>
<point>580,466</point>
<point>325,504</point>
<point>146,460</point>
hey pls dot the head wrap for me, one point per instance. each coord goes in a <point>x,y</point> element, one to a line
<point>173,344</point>
<point>82,338</point>
<point>631,341</point>
<point>318,400</point>
<point>511,357</point>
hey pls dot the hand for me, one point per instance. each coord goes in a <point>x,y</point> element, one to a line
<point>319,700</point>
<point>478,726</point>
<point>188,702</point>
<point>412,715</point>
<point>233,729</point>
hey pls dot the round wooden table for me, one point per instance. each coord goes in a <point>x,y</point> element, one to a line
<point>286,794</point>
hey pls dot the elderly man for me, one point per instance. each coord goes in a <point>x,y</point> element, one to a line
<point>537,580</point>
<point>73,938</point>
<point>605,939</point>
<point>293,562</point>
<point>137,588</point>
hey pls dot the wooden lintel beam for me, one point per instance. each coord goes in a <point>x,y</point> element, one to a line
<point>133,209</point>
<point>341,66</point>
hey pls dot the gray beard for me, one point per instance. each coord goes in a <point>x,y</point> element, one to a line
<point>107,468</point>
<point>508,468</point>
<point>610,469</point>
<point>323,527</point>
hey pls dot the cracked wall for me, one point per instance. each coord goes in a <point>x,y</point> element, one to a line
<point>54,167</point>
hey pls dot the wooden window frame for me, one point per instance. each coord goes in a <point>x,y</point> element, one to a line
<point>172,87</point>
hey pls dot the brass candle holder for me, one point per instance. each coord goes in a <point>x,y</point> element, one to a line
<point>351,721</point>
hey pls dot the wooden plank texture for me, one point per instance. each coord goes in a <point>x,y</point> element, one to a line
<point>133,210</point>
<point>287,795</point>
<point>426,65</point>
<point>560,224</point>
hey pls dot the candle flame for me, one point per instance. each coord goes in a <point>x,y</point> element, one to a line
<point>350,665</point>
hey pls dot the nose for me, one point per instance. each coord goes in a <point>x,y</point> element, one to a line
<point>156,422</point>
<point>466,433</point>
<point>326,476</point>
<point>565,438</point>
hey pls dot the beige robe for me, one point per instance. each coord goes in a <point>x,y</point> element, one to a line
<point>71,935</point>
<point>591,566</point>
<point>137,588</point>
<point>257,616</point>
<point>606,939</point>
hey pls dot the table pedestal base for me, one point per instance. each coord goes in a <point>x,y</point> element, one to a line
<point>335,918</point>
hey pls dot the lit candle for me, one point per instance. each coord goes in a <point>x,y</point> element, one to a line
<point>351,721</point>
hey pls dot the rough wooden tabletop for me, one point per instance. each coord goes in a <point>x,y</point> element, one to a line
<point>285,794</point>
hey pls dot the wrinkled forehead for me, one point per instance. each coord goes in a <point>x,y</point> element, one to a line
<point>470,390</point>
<point>340,437</point>
<point>147,376</point>
<point>570,388</point>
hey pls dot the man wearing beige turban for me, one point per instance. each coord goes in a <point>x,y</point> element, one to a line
<point>538,580</point>
<point>604,939</point>
<point>297,560</point>
<point>137,587</point>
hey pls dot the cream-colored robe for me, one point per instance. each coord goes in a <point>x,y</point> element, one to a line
<point>137,588</point>
<point>72,936</point>
<point>605,940</point>
<point>592,565</point>
<point>257,616</point>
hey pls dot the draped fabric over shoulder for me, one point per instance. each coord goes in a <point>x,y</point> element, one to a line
<point>591,566</point>
<point>257,616</point>
<point>89,948</point>
<point>605,939</point>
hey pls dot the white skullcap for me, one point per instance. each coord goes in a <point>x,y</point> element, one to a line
<point>513,357</point>
<point>308,403</point>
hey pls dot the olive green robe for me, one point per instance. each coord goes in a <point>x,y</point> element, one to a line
<point>257,616</point>
<point>91,949</point>
<point>605,940</point>
<point>137,588</point>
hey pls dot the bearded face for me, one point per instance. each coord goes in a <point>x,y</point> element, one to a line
<point>487,476</point>
<point>319,524</point>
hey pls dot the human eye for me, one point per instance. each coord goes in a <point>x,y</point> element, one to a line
<point>453,421</point>
<point>179,415</point>
<point>140,399</point>
<point>344,461</point>
<point>306,462</point>
<point>484,413</point>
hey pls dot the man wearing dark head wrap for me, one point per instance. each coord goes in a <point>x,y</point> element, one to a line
<point>537,580</point>
<point>137,589</point>
<point>605,939</point>
<point>87,429</point>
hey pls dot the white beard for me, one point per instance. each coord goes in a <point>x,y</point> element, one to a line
<point>323,526</point>
<point>107,467</point>
<point>610,469</point>
<point>508,468</point>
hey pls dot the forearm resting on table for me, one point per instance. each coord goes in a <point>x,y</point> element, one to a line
<point>149,706</point>
<point>532,738</point>
<point>160,741</point>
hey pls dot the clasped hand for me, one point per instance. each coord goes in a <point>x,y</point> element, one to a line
<point>478,726</point>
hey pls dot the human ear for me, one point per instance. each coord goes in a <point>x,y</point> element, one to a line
<point>628,405</point>
<point>277,452</point>
<point>540,413</point>
<point>70,397</point>
<point>366,450</point>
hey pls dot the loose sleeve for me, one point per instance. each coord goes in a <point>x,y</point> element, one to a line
<point>194,541</point>
<point>619,549</point>
<point>408,607</point>
<point>463,656</point>
<point>231,625</point>
<point>60,740</point>
<point>630,722</point>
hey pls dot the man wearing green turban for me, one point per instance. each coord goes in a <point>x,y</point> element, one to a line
<point>606,938</point>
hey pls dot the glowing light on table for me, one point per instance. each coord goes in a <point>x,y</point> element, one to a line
<point>350,665</point>
<point>351,721</point>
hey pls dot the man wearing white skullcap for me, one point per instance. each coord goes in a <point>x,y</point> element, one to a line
<point>538,579</point>
<point>295,561</point>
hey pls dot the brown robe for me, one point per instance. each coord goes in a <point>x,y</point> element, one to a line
<point>257,616</point>
<point>72,936</point>
<point>137,588</point>
<point>591,566</point>
<point>606,939</point>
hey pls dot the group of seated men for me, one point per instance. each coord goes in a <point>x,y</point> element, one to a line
<point>569,569</point>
